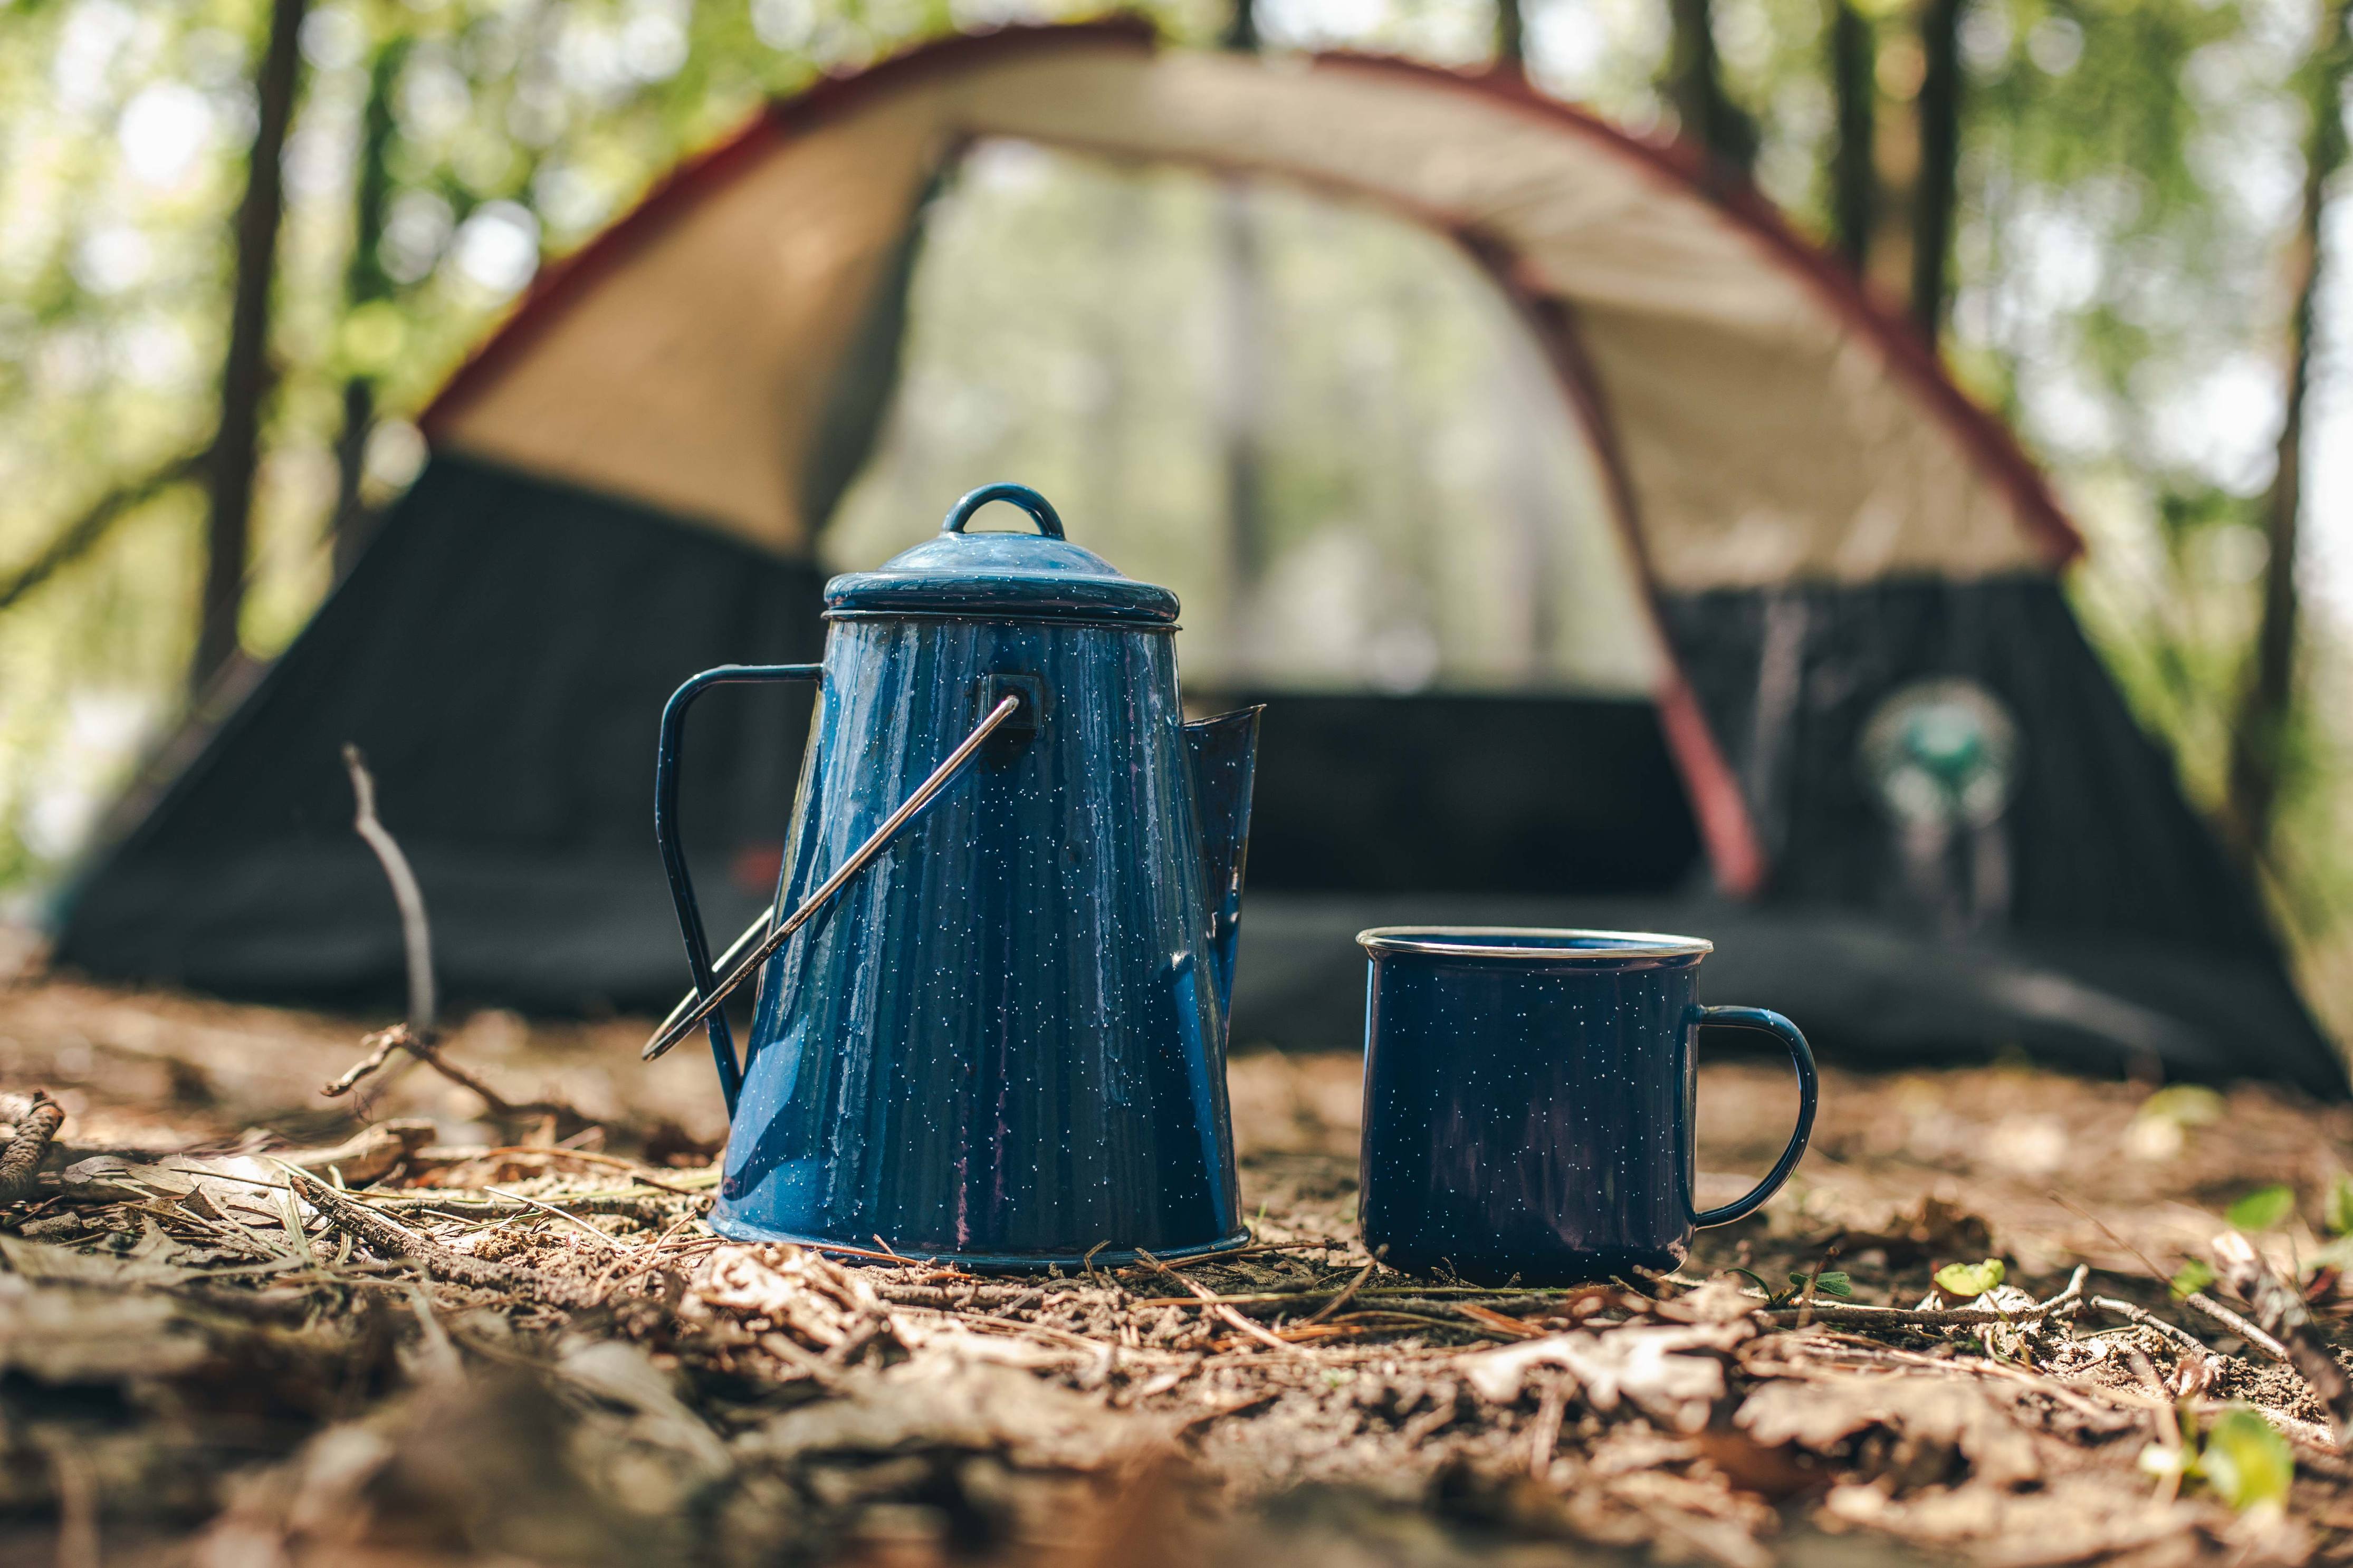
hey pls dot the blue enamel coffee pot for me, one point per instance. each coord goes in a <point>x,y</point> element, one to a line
<point>990,1021</point>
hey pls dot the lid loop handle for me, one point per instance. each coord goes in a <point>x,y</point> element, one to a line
<point>1049,521</point>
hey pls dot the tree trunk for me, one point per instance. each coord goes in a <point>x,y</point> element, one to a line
<point>1940,162</point>
<point>2258,739</point>
<point>1242,27</point>
<point>365,283</point>
<point>244,373</point>
<point>1695,88</point>
<point>1855,175</point>
<point>1512,37</point>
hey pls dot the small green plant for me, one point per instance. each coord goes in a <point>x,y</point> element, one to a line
<point>2184,1105</point>
<point>2336,1208</point>
<point>2195,1276</point>
<point>2266,1208</point>
<point>2245,1459</point>
<point>2242,1460</point>
<point>1969,1280</point>
<point>1830,1282</point>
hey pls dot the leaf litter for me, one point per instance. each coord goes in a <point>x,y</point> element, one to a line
<point>243,1324</point>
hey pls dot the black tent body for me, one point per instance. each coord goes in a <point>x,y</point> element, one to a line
<point>502,650</point>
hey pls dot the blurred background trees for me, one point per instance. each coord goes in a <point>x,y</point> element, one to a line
<point>242,241</point>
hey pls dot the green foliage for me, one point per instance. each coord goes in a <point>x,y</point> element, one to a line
<point>2246,1460</point>
<point>1967,1281</point>
<point>2184,1105</point>
<point>1829,1283</point>
<point>2194,1276</point>
<point>2336,1207</point>
<point>2266,1208</point>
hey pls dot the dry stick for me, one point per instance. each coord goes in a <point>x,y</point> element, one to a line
<point>390,1238</point>
<point>386,1042</point>
<point>603,1240</point>
<point>20,1161</point>
<point>1856,1315</point>
<point>416,935</point>
<point>2041,1382</point>
<point>2148,1319</point>
<point>417,1036</point>
<point>2197,1299</point>
<point>2238,1325</point>
<point>1346,1294</point>
<point>1204,1293</point>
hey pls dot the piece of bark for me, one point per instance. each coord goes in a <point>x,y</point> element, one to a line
<point>20,1161</point>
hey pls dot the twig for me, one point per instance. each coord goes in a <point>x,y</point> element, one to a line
<point>1488,1318</point>
<point>1857,1315</point>
<point>2148,1319</point>
<point>20,1161</point>
<point>603,1240</point>
<point>1346,1294</point>
<point>390,1238</point>
<point>386,1041</point>
<point>2238,1325</point>
<point>1204,1293</point>
<point>415,934</point>
<point>401,1036</point>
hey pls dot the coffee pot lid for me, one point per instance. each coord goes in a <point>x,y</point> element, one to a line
<point>1040,576</point>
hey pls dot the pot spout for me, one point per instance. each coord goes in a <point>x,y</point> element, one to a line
<point>1223,752</point>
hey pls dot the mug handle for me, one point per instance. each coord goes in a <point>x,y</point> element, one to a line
<point>1801,1057</point>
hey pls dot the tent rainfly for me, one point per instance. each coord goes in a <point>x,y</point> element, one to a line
<point>1878,761</point>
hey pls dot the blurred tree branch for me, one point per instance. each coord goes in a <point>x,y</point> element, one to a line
<point>244,373</point>
<point>83,533</point>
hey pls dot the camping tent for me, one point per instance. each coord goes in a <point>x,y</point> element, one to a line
<point>1871,754</point>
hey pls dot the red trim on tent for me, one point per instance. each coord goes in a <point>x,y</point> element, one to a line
<point>560,282</point>
<point>1727,825</point>
<point>1689,168</point>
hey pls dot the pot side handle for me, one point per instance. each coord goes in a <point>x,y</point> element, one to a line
<point>673,852</point>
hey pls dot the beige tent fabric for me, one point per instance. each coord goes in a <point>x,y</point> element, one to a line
<point>692,375</point>
<point>1764,434</point>
<point>1766,438</point>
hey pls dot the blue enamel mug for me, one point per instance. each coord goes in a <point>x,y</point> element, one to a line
<point>1529,1101</point>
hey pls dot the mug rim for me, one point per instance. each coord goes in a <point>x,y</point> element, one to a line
<point>1461,941</point>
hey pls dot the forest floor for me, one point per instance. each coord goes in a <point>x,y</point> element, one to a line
<point>245,1323</point>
